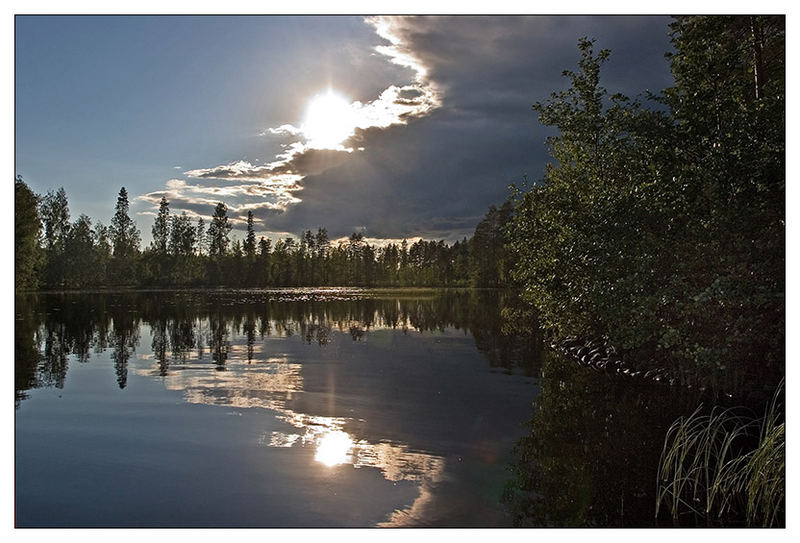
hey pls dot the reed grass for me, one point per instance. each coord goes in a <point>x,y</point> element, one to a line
<point>764,472</point>
<point>706,467</point>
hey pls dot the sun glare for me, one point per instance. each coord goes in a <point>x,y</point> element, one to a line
<point>334,448</point>
<point>328,122</point>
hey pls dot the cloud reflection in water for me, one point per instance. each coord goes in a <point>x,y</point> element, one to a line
<point>271,384</point>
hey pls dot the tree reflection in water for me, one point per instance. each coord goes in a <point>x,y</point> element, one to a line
<point>221,338</point>
<point>52,327</point>
<point>592,453</point>
<point>590,458</point>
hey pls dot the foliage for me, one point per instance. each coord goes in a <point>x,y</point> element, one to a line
<point>185,254</point>
<point>27,229</point>
<point>125,238</point>
<point>249,245</point>
<point>662,230</point>
<point>489,257</point>
<point>124,234</point>
<point>218,231</point>
<point>81,259</point>
<point>728,103</point>
<point>54,211</point>
<point>161,228</point>
<point>588,237</point>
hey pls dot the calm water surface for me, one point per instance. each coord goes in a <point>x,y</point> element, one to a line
<point>289,408</point>
<point>319,408</point>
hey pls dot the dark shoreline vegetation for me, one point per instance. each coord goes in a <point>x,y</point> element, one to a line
<point>653,246</point>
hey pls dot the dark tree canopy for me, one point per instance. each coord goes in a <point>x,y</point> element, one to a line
<point>161,232</point>
<point>124,234</point>
<point>658,226</point>
<point>663,231</point>
<point>249,245</point>
<point>27,229</point>
<point>218,231</point>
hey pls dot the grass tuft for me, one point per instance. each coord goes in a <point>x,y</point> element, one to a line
<point>706,467</point>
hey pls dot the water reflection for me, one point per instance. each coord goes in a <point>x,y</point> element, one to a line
<point>592,453</point>
<point>334,448</point>
<point>185,326</point>
<point>224,349</point>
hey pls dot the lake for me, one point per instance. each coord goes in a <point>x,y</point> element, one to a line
<point>319,408</point>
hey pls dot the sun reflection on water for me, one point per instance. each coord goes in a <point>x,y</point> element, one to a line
<point>334,448</point>
<point>272,383</point>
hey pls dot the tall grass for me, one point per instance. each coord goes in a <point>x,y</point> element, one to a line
<point>763,473</point>
<point>709,467</point>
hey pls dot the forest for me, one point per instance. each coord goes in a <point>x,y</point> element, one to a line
<point>56,254</point>
<point>658,226</point>
<point>659,231</point>
<point>661,228</point>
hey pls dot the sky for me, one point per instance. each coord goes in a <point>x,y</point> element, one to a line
<point>395,127</point>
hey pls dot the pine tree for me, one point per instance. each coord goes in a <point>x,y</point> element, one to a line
<point>264,246</point>
<point>102,247</point>
<point>250,240</point>
<point>201,237</point>
<point>125,243</point>
<point>218,231</point>
<point>322,242</point>
<point>125,236</point>
<point>161,228</point>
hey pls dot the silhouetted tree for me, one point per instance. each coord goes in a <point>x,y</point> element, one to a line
<point>55,218</point>
<point>218,231</point>
<point>488,248</point>
<point>161,234</point>
<point>80,257</point>
<point>663,231</point>
<point>124,241</point>
<point>201,237</point>
<point>250,241</point>
<point>27,229</point>
<point>124,234</point>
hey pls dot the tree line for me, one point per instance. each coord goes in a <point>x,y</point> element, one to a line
<point>54,253</point>
<point>659,226</point>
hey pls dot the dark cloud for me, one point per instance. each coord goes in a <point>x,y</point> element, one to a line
<point>461,158</point>
<point>410,94</point>
<point>437,174</point>
<point>408,182</point>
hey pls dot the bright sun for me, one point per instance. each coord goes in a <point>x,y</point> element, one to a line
<point>334,448</point>
<point>328,122</point>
